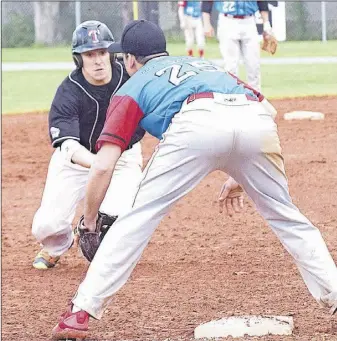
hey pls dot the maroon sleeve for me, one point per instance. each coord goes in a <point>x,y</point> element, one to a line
<point>122,119</point>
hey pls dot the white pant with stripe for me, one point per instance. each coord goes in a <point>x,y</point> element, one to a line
<point>205,136</point>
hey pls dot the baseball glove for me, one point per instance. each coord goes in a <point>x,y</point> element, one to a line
<point>90,241</point>
<point>269,43</point>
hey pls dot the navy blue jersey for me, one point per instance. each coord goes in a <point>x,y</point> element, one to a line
<point>78,110</point>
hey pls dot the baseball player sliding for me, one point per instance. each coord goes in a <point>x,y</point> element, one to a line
<point>206,120</point>
<point>191,22</point>
<point>76,119</point>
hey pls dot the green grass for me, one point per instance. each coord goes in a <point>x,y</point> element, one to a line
<point>285,49</point>
<point>34,91</point>
<point>280,81</point>
<point>37,54</point>
<point>63,54</point>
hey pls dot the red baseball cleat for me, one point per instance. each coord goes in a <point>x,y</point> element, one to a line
<point>71,325</point>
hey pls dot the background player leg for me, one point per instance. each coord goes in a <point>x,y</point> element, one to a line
<point>251,52</point>
<point>229,43</point>
<point>189,36</point>
<point>200,36</point>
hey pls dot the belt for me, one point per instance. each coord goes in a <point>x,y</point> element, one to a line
<point>194,97</point>
<point>237,16</point>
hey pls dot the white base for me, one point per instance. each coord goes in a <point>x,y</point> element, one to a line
<point>303,115</point>
<point>239,326</point>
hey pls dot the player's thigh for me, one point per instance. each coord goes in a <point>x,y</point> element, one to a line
<point>251,51</point>
<point>65,186</point>
<point>257,162</point>
<point>124,182</point>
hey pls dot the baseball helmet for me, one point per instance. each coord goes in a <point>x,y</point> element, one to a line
<point>88,36</point>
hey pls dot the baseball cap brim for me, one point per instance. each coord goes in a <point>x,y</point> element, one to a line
<point>115,48</point>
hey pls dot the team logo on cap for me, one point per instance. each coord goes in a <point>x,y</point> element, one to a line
<point>93,34</point>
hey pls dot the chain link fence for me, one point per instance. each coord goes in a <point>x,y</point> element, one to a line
<point>29,23</point>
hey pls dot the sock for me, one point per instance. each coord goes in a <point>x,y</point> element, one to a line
<point>201,53</point>
<point>190,53</point>
<point>75,309</point>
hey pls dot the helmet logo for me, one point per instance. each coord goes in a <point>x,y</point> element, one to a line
<point>93,34</point>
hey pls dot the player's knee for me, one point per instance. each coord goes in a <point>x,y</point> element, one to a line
<point>44,226</point>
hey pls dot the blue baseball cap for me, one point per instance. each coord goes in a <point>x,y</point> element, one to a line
<point>140,38</point>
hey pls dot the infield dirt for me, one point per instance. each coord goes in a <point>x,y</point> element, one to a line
<point>199,265</point>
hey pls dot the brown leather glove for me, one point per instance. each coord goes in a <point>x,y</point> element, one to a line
<point>90,241</point>
<point>269,43</point>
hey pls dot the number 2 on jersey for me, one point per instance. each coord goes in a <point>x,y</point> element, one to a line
<point>228,6</point>
<point>177,76</point>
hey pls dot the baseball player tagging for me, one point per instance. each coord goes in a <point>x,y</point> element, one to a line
<point>206,121</point>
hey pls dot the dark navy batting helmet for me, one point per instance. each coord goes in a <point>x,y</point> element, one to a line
<point>88,36</point>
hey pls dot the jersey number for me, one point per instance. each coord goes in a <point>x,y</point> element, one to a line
<point>176,76</point>
<point>228,6</point>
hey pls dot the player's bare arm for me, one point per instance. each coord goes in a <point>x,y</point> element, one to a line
<point>99,179</point>
<point>206,18</point>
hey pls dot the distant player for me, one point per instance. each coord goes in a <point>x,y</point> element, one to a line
<point>191,22</point>
<point>206,120</point>
<point>237,34</point>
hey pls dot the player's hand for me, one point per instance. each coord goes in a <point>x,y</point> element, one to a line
<point>182,25</point>
<point>231,196</point>
<point>208,30</point>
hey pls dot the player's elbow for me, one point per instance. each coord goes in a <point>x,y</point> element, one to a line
<point>106,159</point>
<point>102,168</point>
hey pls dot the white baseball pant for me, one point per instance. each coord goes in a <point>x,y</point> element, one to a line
<point>194,31</point>
<point>65,188</point>
<point>206,136</point>
<point>239,37</point>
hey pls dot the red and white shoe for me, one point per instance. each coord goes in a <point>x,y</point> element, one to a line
<point>71,325</point>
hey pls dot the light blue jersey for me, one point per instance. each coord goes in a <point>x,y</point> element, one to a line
<point>192,8</point>
<point>156,92</point>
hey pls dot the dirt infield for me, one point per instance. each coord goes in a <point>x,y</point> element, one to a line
<point>199,265</point>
